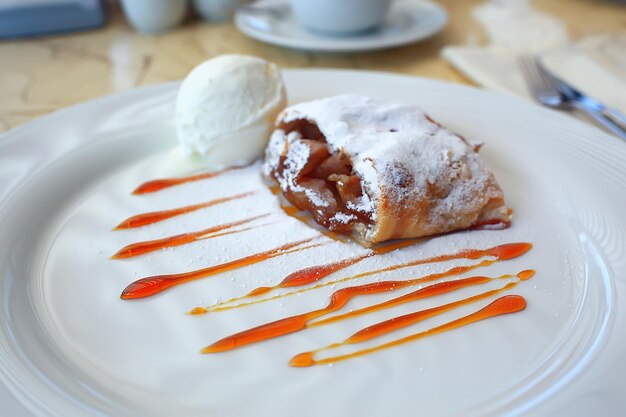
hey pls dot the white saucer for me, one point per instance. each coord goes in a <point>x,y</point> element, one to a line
<point>408,21</point>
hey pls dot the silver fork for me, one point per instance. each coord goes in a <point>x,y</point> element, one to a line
<point>546,91</point>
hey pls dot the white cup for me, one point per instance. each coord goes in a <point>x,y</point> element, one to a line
<point>216,10</point>
<point>341,17</point>
<point>154,16</point>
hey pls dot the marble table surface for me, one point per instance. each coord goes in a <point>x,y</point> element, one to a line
<point>44,74</point>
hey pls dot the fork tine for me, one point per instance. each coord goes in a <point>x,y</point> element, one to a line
<point>556,83</point>
<point>535,81</point>
<point>539,83</point>
<point>552,92</point>
<point>543,73</point>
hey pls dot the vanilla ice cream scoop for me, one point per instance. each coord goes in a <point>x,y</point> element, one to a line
<point>226,108</point>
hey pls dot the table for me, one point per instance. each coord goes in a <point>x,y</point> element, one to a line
<point>44,74</point>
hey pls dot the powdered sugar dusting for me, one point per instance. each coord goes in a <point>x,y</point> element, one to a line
<point>314,196</point>
<point>401,156</point>
<point>343,218</point>
<point>389,144</point>
<point>364,205</point>
<point>384,140</point>
<point>298,157</point>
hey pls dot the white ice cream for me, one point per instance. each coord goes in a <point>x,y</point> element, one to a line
<point>226,108</point>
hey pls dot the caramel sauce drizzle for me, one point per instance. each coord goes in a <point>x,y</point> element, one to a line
<point>316,273</point>
<point>149,286</point>
<point>160,184</point>
<point>431,291</point>
<point>294,212</point>
<point>339,299</point>
<point>305,218</point>
<point>504,305</point>
<point>158,216</point>
<point>500,253</point>
<point>153,285</point>
<point>140,248</point>
<point>300,277</point>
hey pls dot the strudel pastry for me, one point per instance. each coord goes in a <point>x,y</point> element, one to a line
<point>378,170</point>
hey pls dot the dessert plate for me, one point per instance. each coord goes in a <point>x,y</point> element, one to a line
<point>70,346</point>
<point>408,21</point>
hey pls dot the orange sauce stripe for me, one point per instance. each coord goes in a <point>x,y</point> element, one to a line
<point>426,292</point>
<point>158,216</point>
<point>436,289</point>
<point>504,305</point>
<point>340,298</point>
<point>310,275</point>
<point>140,248</point>
<point>305,277</point>
<point>316,273</point>
<point>160,184</point>
<point>150,286</point>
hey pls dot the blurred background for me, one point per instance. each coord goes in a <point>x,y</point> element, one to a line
<point>55,53</point>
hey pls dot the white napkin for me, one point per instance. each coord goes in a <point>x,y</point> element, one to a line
<point>596,65</point>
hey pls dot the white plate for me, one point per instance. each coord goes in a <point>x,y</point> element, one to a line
<point>408,21</point>
<point>69,346</point>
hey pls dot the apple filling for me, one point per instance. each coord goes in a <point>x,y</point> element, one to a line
<point>325,183</point>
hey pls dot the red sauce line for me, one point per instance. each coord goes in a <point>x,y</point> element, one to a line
<point>396,323</point>
<point>305,276</point>
<point>292,211</point>
<point>426,292</point>
<point>140,248</point>
<point>149,286</point>
<point>158,216</point>
<point>316,273</point>
<point>503,305</point>
<point>292,324</point>
<point>340,298</point>
<point>310,275</point>
<point>152,285</point>
<point>501,253</point>
<point>160,184</point>
<point>406,320</point>
<point>305,218</point>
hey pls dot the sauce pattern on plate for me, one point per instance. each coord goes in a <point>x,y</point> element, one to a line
<point>312,278</point>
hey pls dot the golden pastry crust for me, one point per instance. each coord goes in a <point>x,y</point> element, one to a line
<point>379,171</point>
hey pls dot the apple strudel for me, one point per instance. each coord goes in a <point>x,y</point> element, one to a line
<point>378,170</point>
